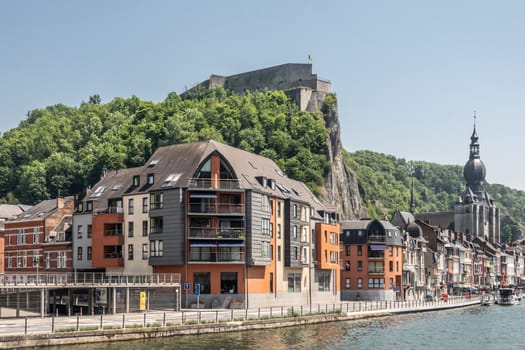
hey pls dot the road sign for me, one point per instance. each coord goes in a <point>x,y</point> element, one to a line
<point>197,289</point>
<point>186,286</point>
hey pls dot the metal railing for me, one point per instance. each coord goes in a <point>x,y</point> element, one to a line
<point>216,208</point>
<point>91,278</point>
<point>216,232</point>
<point>213,184</point>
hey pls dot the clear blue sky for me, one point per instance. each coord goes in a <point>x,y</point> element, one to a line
<point>408,74</point>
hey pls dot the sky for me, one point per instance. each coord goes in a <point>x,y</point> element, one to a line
<point>408,75</point>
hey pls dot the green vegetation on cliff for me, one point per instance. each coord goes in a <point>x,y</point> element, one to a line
<point>385,182</point>
<point>61,149</point>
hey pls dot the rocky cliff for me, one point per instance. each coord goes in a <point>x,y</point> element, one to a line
<point>312,94</point>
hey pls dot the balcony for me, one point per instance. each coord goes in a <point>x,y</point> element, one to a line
<point>376,238</point>
<point>215,184</point>
<point>216,208</point>
<point>113,230</point>
<point>216,233</point>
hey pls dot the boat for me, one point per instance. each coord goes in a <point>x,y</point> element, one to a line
<point>488,299</point>
<point>507,296</point>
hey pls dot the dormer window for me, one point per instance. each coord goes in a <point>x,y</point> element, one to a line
<point>136,181</point>
<point>153,163</point>
<point>80,207</point>
<point>151,179</point>
<point>89,206</point>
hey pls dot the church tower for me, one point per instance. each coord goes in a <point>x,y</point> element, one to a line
<point>475,212</point>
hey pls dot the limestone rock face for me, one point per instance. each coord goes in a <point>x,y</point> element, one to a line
<point>340,187</point>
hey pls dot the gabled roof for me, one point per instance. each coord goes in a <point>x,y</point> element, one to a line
<point>41,211</point>
<point>112,185</point>
<point>174,167</point>
<point>11,211</point>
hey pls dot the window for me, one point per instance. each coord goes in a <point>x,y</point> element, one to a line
<point>136,181</point>
<point>391,266</point>
<point>271,282</point>
<point>89,231</point>
<point>48,261</point>
<point>347,265</point>
<point>80,230</point>
<point>376,267</point>
<point>61,260</point>
<point>229,283</point>
<point>156,224</point>
<point>278,253</point>
<point>89,253</point>
<point>397,251</point>
<point>80,207</point>
<point>294,210</point>
<point>79,253</point>
<point>376,283</point>
<point>36,263</point>
<point>145,251</point>
<point>347,283</point>
<point>359,283</point>
<point>295,253</point>
<point>397,266</point>
<point>9,260</point>
<point>347,250</point>
<point>145,204</point>
<point>390,251</point>
<point>333,238</point>
<point>278,231</point>
<point>21,237</point>
<point>144,228</point>
<point>359,250</point>
<point>151,179</point>
<point>131,228</point>
<point>157,248</point>
<point>324,281</point>
<point>278,209</point>
<point>265,227</point>
<point>131,206</point>
<point>391,282</point>
<point>156,200</point>
<point>89,206</point>
<point>130,251</point>
<point>294,282</point>
<point>202,278</point>
<point>265,203</point>
<point>359,266</point>
<point>35,235</point>
<point>294,231</point>
<point>266,251</point>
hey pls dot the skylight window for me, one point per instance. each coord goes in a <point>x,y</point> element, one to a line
<point>116,187</point>
<point>171,180</point>
<point>153,163</point>
<point>98,191</point>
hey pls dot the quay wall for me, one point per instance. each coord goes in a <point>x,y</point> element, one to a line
<point>122,334</point>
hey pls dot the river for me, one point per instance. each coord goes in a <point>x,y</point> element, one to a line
<point>478,327</point>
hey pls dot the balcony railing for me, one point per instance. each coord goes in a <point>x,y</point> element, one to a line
<point>376,238</point>
<point>212,183</point>
<point>112,255</point>
<point>220,257</point>
<point>110,210</point>
<point>216,232</point>
<point>376,271</point>
<point>217,208</point>
<point>113,232</point>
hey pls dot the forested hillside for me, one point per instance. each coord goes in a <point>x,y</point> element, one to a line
<point>385,182</point>
<point>61,149</point>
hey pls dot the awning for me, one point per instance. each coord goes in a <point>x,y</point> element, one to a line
<point>231,244</point>
<point>377,247</point>
<point>203,195</point>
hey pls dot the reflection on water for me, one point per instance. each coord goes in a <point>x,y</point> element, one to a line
<point>493,327</point>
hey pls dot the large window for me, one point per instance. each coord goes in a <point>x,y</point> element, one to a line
<point>359,266</point>
<point>79,253</point>
<point>265,224</point>
<point>131,228</point>
<point>376,267</point>
<point>294,232</point>
<point>80,229</point>
<point>156,200</point>
<point>266,250</point>
<point>144,228</point>
<point>157,248</point>
<point>156,224</point>
<point>294,282</point>
<point>376,283</point>
<point>324,281</point>
<point>229,283</point>
<point>359,250</point>
<point>145,204</point>
<point>203,278</point>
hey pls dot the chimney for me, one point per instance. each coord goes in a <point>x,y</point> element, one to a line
<point>60,202</point>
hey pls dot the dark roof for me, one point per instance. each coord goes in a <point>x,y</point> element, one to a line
<point>42,210</point>
<point>112,185</point>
